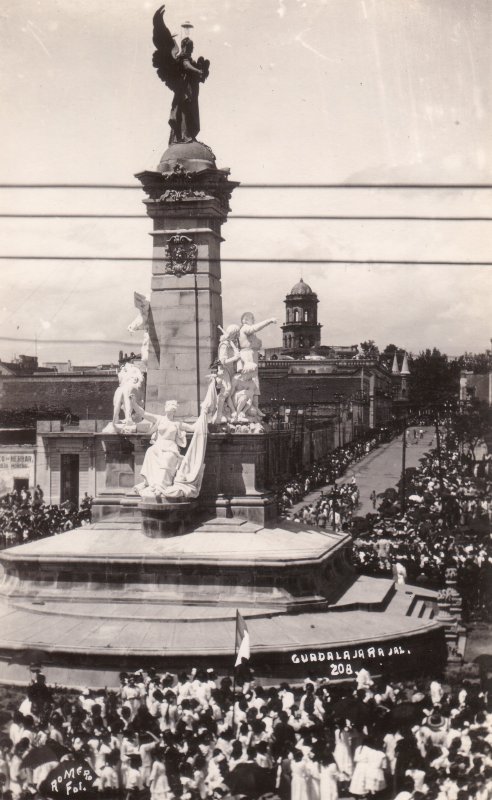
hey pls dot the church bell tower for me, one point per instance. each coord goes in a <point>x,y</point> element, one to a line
<point>301,331</point>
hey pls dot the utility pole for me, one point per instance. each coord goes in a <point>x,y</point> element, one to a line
<point>312,389</point>
<point>439,453</point>
<point>403,481</point>
<point>334,501</point>
<point>338,399</point>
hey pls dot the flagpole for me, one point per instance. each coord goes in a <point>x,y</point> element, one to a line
<point>234,679</point>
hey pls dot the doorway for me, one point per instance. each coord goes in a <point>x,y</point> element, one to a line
<point>69,478</point>
<point>20,484</point>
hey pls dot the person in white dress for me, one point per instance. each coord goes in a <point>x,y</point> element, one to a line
<point>326,778</point>
<point>342,752</point>
<point>300,787</point>
<point>109,780</point>
<point>370,764</point>
<point>158,782</point>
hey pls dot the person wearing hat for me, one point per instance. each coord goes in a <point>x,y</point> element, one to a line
<point>438,729</point>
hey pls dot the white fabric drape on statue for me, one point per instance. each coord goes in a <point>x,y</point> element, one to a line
<point>188,480</point>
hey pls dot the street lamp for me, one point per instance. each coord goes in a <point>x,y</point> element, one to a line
<point>277,402</point>
<point>339,398</point>
<point>302,421</point>
<point>439,452</point>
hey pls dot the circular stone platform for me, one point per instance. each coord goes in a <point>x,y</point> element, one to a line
<point>97,600</point>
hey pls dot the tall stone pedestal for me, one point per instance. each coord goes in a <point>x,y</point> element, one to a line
<point>188,201</point>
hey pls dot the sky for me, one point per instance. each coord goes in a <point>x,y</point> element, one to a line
<point>311,91</point>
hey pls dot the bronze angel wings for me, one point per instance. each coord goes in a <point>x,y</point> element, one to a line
<point>168,58</point>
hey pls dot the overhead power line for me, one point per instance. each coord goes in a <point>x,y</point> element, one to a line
<point>403,186</point>
<point>42,341</point>
<point>373,261</point>
<point>314,217</point>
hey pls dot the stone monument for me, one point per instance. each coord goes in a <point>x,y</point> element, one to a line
<point>158,576</point>
<point>188,202</point>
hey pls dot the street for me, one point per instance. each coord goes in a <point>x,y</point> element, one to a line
<point>381,469</point>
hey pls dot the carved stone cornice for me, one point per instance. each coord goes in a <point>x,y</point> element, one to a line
<point>171,189</point>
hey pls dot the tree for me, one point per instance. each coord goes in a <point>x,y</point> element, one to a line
<point>369,348</point>
<point>433,379</point>
<point>479,363</point>
<point>473,425</point>
<point>388,354</point>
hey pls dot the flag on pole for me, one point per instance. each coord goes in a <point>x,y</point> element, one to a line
<point>242,640</point>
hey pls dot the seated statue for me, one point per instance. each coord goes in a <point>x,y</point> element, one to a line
<point>164,471</point>
<point>163,458</point>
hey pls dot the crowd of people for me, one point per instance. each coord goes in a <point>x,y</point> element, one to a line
<point>321,473</point>
<point>162,737</point>
<point>332,509</point>
<point>445,524</point>
<point>25,517</point>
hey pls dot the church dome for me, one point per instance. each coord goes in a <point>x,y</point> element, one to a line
<point>301,288</point>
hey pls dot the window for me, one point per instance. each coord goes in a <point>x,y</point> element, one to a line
<point>296,315</point>
<point>306,315</point>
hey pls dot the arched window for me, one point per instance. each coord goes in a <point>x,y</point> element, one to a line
<point>288,315</point>
<point>296,315</point>
<point>301,341</point>
<point>306,315</point>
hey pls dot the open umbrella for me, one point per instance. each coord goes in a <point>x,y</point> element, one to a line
<point>405,714</point>
<point>70,777</point>
<point>51,751</point>
<point>251,780</point>
<point>349,708</point>
<point>359,525</point>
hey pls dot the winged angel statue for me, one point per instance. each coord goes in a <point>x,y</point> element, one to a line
<point>182,75</point>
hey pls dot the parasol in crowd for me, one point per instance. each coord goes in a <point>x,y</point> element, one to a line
<point>250,779</point>
<point>350,708</point>
<point>70,777</point>
<point>51,751</point>
<point>359,525</point>
<point>405,714</point>
<point>389,494</point>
